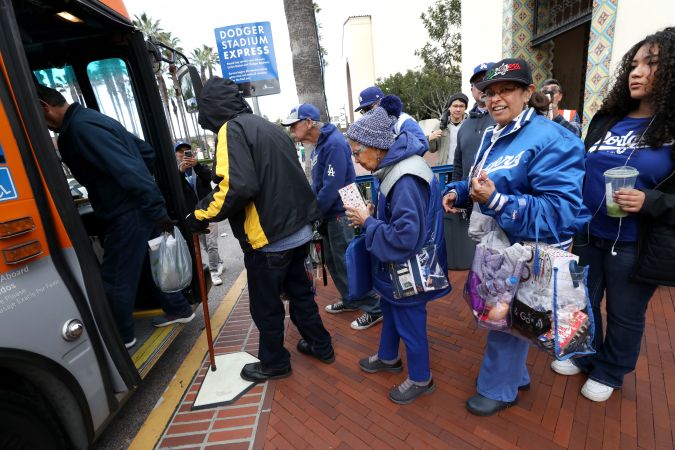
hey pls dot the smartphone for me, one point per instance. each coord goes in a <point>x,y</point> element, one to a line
<point>188,153</point>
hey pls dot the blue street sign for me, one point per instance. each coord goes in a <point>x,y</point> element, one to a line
<point>7,188</point>
<point>246,54</point>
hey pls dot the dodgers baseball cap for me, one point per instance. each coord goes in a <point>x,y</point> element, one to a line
<point>509,69</point>
<point>368,96</point>
<point>480,68</point>
<point>180,144</point>
<point>302,112</point>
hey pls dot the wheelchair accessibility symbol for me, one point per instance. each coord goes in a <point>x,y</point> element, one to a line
<point>7,188</point>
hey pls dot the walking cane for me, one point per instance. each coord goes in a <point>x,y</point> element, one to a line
<point>205,300</point>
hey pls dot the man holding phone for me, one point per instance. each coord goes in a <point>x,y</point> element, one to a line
<point>568,118</point>
<point>196,182</point>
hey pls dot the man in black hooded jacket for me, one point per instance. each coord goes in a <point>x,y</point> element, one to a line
<point>262,189</point>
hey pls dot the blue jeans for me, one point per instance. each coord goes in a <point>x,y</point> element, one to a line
<point>269,274</point>
<point>125,253</point>
<point>410,324</point>
<point>340,234</point>
<point>503,368</point>
<point>627,301</point>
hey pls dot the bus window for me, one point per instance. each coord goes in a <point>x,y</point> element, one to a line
<point>115,97</point>
<point>63,80</point>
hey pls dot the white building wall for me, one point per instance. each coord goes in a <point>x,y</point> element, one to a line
<point>481,36</point>
<point>357,48</point>
<point>636,19</point>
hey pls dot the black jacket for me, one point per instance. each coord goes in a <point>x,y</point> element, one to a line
<point>203,185</point>
<point>261,187</point>
<point>114,165</point>
<point>656,240</point>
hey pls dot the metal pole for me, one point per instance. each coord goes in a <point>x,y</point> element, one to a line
<point>205,300</point>
<point>256,108</point>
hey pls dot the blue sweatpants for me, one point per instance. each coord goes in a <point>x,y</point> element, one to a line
<point>410,324</point>
<point>503,368</point>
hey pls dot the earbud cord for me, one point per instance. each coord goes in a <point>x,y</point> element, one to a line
<point>634,147</point>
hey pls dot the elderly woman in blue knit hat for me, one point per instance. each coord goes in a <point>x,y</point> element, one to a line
<point>406,229</point>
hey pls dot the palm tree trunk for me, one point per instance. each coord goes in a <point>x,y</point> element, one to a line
<point>306,59</point>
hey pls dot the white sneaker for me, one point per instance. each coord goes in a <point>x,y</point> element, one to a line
<point>566,367</point>
<point>220,269</point>
<point>216,280</point>
<point>596,391</point>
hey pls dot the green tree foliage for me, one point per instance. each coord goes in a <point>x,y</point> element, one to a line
<point>425,92</point>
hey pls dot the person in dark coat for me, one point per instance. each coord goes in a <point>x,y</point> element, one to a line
<point>116,167</point>
<point>196,183</point>
<point>630,255</point>
<point>333,169</point>
<point>262,190</point>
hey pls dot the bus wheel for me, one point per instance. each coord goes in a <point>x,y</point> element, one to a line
<point>25,424</point>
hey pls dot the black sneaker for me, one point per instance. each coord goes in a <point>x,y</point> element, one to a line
<point>408,391</point>
<point>130,344</point>
<point>339,307</point>
<point>366,320</point>
<point>373,364</point>
<point>169,319</point>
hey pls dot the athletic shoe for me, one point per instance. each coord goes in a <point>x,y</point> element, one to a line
<point>216,280</point>
<point>596,391</point>
<point>373,364</point>
<point>167,319</point>
<point>130,344</point>
<point>338,307</point>
<point>366,320</point>
<point>566,367</point>
<point>408,391</point>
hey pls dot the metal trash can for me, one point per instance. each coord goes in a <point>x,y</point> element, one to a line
<point>460,248</point>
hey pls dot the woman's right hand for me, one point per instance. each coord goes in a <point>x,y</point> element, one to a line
<point>449,202</point>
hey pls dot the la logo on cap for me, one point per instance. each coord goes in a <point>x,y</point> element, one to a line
<point>483,66</point>
<point>360,99</point>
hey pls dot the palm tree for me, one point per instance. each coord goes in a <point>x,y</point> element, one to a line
<point>206,58</point>
<point>307,60</point>
<point>151,28</point>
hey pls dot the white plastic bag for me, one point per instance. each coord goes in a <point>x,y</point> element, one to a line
<point>170,262</point>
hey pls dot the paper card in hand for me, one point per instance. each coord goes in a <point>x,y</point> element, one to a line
<point>351,197</point>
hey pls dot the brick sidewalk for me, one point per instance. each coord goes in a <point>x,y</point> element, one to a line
<point>338,406</point>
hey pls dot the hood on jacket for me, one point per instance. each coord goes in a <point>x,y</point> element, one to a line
<point>405,145</point>
<point>219,102</point>
<point>326,131</point>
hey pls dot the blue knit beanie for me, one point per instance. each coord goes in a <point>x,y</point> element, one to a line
<point>373,129</point>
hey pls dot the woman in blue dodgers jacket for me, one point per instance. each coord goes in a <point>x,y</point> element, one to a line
<point>527,167</point>
<point>399,230</point>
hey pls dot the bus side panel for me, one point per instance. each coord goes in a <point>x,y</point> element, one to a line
<point>34,301</point>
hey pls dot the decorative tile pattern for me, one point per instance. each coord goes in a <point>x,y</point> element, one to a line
<point>599,54</point>
<point>517,33</point>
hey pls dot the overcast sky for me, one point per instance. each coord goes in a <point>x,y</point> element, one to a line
<point>195,21</point>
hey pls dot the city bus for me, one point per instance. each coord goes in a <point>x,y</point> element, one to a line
<point>64,370</point>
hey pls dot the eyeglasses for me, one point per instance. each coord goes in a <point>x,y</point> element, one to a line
<point>358,150</point>
<point>550,92</point>
<point>491,92</point>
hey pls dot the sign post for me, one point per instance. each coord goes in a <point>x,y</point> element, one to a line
<point>246,54</point>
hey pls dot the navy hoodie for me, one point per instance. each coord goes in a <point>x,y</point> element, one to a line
<point>399,229</point>
<point>113,164</point>
<point>332,169</point>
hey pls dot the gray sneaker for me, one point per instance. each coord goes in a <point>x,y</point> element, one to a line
<point>408,391</point>
<point>373,364</point>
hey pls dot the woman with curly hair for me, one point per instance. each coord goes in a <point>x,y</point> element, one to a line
<point>629,256</point>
